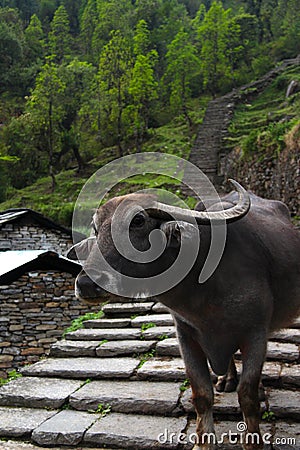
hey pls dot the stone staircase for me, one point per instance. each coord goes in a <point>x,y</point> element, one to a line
<point>210,148</point>
<point>120,383</point>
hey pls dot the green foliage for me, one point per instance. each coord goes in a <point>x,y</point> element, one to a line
<point>184,385</point>
<point>11,375</point>
<point>101,78</point>
<point>79,322</point>
<point>103,409</point>
<point>145,357</point>
<point>268,416</point>
<point>146,326</point>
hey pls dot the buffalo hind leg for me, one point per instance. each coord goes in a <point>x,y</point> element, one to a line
<point>253,356</point>
<point>202,388</point>
<point>228,382</point>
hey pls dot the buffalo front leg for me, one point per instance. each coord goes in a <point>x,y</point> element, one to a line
<point>253,356</point>
<point>202,389</point>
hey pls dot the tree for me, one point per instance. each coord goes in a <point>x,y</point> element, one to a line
<point>59,36</point>
<point>218,37</point>
<point>182,66</point>
<point>88,24</point>
<point>142,86</point>
<point>77,76</point>
<point>34,38</point>
<point>46,110</point>
<point>114,76</point>
<point>11,54</point>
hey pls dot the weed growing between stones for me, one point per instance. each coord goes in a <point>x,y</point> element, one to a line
<point>146,326</point>
<point>185,385</point>
<point>11,375</point>
<point>268,416</point>
<point>103,409</point>
<point>78,323</point>
<point>146,356</point>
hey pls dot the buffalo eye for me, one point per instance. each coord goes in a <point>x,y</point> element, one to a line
<point>138,220</point>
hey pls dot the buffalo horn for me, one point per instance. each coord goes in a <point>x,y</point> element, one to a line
<point>164,211</point>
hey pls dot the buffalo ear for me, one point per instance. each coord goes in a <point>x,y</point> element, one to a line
<point>175,229</point>
<point>81,250</point>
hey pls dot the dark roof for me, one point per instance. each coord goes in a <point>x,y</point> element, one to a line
<point>13,215</point>
<point>13,264</point>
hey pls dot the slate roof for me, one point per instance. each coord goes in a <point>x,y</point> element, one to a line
<point>16,214</point>
<point>14,264</point>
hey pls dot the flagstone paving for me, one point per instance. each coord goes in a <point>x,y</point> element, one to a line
<point>120,382</point>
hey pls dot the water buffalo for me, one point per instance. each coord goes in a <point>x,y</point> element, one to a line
<point>254,290</point>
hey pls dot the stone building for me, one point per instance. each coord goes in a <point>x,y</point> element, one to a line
<point>37,303</point>
<point>25,229</point>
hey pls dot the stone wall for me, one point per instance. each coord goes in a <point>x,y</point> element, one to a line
<point>17,236</point>
<point>268,175</point>
<point>34,311</point>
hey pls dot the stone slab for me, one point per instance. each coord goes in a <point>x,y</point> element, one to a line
<point>290,375</point>
<point>228,436</point>
<point>225,403</point>
<point>280,351</point>
<point>68,347</point>
<point>159,333</point>
<point>162,369</point>
<point>14,445</point>
<point>133,431</point>
<point>37,392</point>
<point>65,428</point>
<point>291,335</point>
<point>106,323</point>
<point>127,308</point>
<point>104,333</point>
<point>169,347</point>
<point>271,373</point>
<point>160,308</point>
<point>19,422</point>
<point>157,319</point>
<point>285,404</point>
<point>296,323</point>
<point>116,348</point>
<point>83,367</point>
<point>137,397</point>
<point>287,436</point>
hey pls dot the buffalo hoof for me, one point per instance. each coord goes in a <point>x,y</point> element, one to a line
<point>226,384</point>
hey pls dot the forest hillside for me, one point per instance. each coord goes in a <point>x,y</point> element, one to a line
<point>83,82</point>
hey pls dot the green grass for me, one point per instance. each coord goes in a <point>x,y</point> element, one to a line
<point>174,138</point>
<point>261,125</point>
<point>78,323</point>
<point>11,375</point>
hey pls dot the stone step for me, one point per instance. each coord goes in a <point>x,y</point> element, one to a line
<point>229,436</point>
<point>122,348</point>
<point>125,309</point>
<point>65,428</point>
<point>83,368</point>
<point>99,334</point>
<point>106,323</point>
<point>157,319</point>
<point>37,392</point>
<point>68,347</point>
<point>135,397</point>
<point>291,335</point>
<point>128,431</point>
<point>19,423</point>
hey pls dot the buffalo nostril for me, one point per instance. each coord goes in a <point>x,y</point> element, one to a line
<point>87,288</point>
